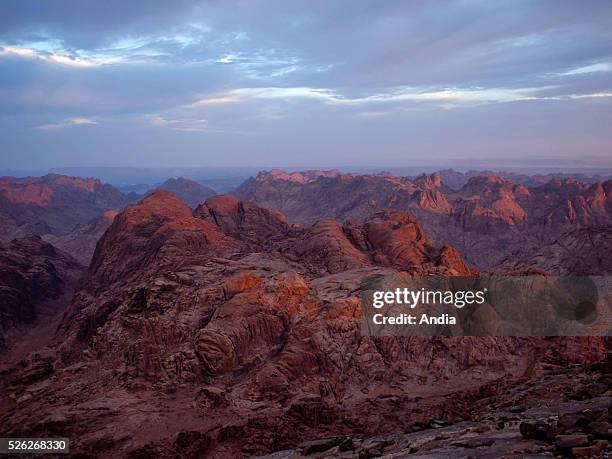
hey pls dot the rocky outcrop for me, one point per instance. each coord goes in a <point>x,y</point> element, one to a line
<point>244,220</point>
<point>512,423</point>
<point>580,252</point>
<point>225,332</point>
<point>157,228</point>
<point>33,277</point>
<point>389,238</point>
<point>326,245</point>
<point>81,241</point>
<point>487,219</point>
<point>53,204</point>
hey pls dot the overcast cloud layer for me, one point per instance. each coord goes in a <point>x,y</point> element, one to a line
<point>180,83</point>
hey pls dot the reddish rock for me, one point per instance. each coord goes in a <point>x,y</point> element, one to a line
<point>325,244</point>
<point>244,220</point>
<point>487,219</point>
<point>53,204</point>
<point>580,252</point>
<point>226,332</point>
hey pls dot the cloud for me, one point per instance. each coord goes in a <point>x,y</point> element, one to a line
<point>300,75</point>
<point>458,97</point>
<point>595,95</point>
<point>592,68</point>
<point>185,125</point>
<point>372,114</point>
<point>217,100</point>
<point>28,53</point>
<point>70,122</point>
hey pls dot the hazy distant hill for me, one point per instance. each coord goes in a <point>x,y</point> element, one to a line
<point>455,179</point>
<point>53,204</point>
<point>190,192</point>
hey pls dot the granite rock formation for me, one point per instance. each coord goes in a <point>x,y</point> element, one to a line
<point>34,277</point>
<point>486,220</point>
<point>227,332</point>
<point>582,252</point>
<point>53,204</point>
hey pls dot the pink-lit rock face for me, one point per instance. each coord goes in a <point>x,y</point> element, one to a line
<point>26,193</point>
<point>40,190</point>
<point>53,204</point>
<point>240,335</point>
<point>488,219</point>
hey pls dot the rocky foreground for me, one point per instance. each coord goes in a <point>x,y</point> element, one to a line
<point>563,412</point>
<point>36,281</point>
<point>228,332</point>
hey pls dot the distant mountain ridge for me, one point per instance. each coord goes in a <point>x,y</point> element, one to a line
<point>486,219</point>
<point>53,204</point>
<point>189,191</point>
<point>456,180</point>
<point>81,241</point>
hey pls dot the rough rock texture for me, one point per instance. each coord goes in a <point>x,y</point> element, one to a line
<point>244,220</point>
<point>388,238</point>
<point>580,252</point>
<point>306,198</point>
<point>33,277</point>
<point>190,192</point>
<point>192,335</point>
<point>529,417</point>
<point>53,204</point>
<point>81,242</point>
<point>487,219</point>
<point>330,246</point>
<point>456,179</point>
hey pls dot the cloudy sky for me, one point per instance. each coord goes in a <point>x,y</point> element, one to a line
<point>304,83</point>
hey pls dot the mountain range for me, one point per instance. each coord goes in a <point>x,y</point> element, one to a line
<point>53,204</point>
<point>233,328</point>
<point>487,219</point>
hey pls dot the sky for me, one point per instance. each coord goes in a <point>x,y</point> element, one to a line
<point>304,83</point>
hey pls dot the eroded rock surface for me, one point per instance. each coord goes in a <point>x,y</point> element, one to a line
<point>227,332</point>
<point>487,219</point>
<point>34,275</point>
<point>532,417</point>
<point>53,204</point>
<point>580,252</point>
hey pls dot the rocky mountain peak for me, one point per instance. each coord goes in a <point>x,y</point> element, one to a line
<point>431,181</point>
<point>159,225</point>
<point>243,333</point>
<point>244,220</point>
<point>53,204</point>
